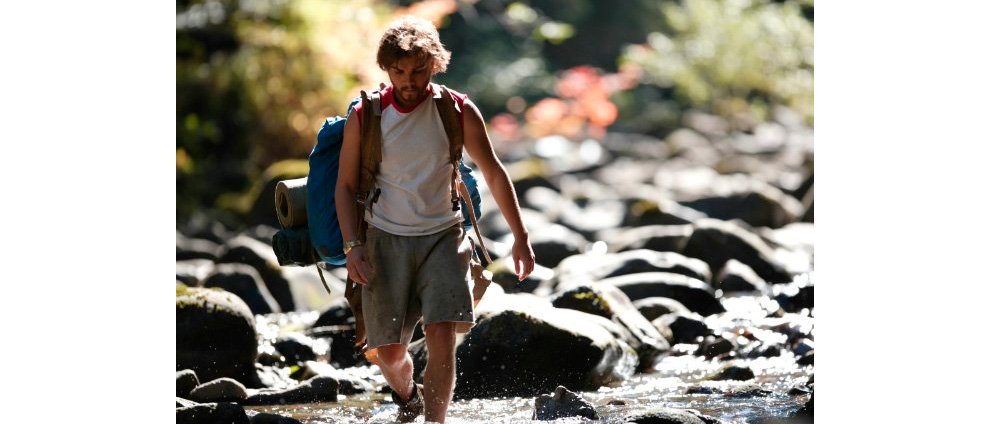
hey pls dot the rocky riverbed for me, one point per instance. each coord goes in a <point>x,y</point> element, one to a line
<point>675,284</point>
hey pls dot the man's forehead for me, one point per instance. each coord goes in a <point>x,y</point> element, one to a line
<point>411,62</point>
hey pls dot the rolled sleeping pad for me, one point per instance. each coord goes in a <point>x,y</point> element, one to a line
<point>290,203</point>
<point>292,247</point>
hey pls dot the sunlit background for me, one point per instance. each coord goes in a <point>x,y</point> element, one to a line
<point>255,79</point>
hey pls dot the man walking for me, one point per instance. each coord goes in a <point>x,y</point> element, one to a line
<point>414,261</point>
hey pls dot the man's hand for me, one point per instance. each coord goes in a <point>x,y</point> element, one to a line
<point>359,267</point>
<point>522,257</point>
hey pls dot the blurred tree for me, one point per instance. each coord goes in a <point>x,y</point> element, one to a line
<point>731,57</point>
<point>254,81</point>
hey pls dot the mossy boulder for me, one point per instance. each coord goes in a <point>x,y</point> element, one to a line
<point>214,335</point>
<point>529,351</point>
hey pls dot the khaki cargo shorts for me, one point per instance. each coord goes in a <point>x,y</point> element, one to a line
<point>416,276</point>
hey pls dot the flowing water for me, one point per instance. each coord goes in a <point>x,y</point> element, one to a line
<point>665,387</point>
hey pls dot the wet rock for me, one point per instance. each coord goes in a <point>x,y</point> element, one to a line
<point>757,203</point>
<point>685,327</point>
<point>185,381</point>
<point>760,350</point>
<point>552,243</point>
<point>494,226</point>
<point>671,416</point>
<point>219,390</point>
<point>193,272</point>
<point>339,313</point>
<point>316,389</point>
<point>588,267</point>
<point>696,295</point>
<point>194,248</point>
<point>184,403</point>
<point>795,296</point>
<point>263,233</point>
<point>525,350</point>
<point>296,348</point>
<point>562,403</point>
<point>504,275</point>
<point>266,418</point>
<point>592,216</point>
<point>733,372</point>
<point>803,346</point>
<point>607,301</point>
<point>712,347</point>
<point>214,335</point>
<point>212,413</point>
<point>715,242</point>
<point>738,277</point>
<point>744,390</point>
<point>343,354</point>
<point>661,238</point>
<point>348,382</point>
<point>261,256</point>
<point>657,211</point>
<point>245,282</point>
<point>807,359</point>
<point>653,307</point>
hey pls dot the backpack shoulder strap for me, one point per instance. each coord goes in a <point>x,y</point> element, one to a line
<point>371,150</point>
<point>450,116</point>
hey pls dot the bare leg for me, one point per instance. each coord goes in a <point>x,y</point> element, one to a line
<point>397,368</point>
<point>438,377</point>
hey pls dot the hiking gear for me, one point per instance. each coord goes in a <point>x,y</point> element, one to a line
<point>321,209</point>
<point>292,247</point>
<point>412,408</point>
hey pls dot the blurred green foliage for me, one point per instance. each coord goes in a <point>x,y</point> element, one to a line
<point>734,58</point>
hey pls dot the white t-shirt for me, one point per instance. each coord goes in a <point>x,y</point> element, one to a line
<point>414,176</point>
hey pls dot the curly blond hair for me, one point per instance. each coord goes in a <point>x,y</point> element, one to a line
<point>412,36</point>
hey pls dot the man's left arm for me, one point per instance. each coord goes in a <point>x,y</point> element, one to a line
<point>479,147</point>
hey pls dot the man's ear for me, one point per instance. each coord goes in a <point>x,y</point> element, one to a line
<point>381,85</point>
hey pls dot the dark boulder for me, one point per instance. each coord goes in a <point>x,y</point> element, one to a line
<point>653,307</point>
<point>525,351</point>
<point>338,313</point>
<point>552,243</point>
<point>733,372</point>
<point>661,238</point>
<point>266,418</point>
<point>261,256</point>
<point>296,348</point>
<point>686,327</point>
<point>194,248</point>
<point>607,301</point>
<point>584,268</point>
<point>343,354</point>
<point>561,404</point>
<point>715,242</point>
<point>212,413</point>
<point>219,390</point>
<point>664,415</point>
<point>349,382</point>
<point>193,272</point>
<point>807,359</point>
<point>758,204</point>
<point>738,277</point>
<point>696,295</point>
<point>214,335</point>
<point>185,381</point>
<point>715,346</point>
<point>316,389</point>
<point>642,212</point>
<point>732,390</point>
<point>245,282</point>
<point>795,296</point>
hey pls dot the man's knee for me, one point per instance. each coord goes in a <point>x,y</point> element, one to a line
<point>392,355</point>
<point>440,339</point>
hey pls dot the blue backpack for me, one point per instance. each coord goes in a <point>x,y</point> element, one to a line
<point>321,209</point>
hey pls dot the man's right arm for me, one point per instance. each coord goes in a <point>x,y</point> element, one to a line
<point>358,267</point>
